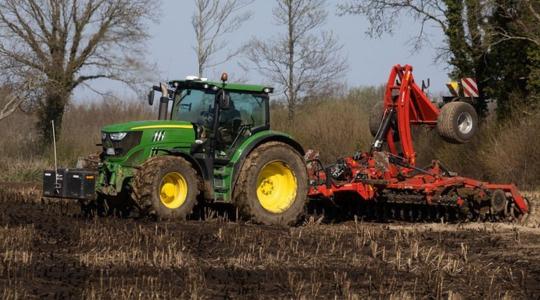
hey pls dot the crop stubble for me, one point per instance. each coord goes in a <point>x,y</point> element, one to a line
<point>47,250</point>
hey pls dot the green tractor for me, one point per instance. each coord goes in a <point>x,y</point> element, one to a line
<point>212,143</point>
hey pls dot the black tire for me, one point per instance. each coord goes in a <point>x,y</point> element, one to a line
<point>457,122</point>
<point>375,118</point>
<point>246,196</point>
<point>149,181</point>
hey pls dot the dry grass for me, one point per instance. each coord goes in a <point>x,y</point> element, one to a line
<point>23,158</point>
<point>335,127</point>
<point>506,152</point>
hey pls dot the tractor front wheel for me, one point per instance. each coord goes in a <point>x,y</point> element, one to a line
<point>166,187</point>
<point>272,186</point>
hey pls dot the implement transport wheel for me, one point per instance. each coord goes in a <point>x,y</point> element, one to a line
<point>457,122</point>
<point>375,118</point>
<point>166,187</point>
<point>272,186</point>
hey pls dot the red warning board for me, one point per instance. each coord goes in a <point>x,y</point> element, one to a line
<point>470,88</point>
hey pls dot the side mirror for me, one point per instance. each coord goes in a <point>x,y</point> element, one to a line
<point>151,95</point>
<point>224,100</point>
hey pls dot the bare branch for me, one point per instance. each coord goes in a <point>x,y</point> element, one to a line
<point>301,61</point>
<point>10,105</point>
<point>212,20</point>
<point>69,42</point>
<point>13,97</point>
<point>527,23</point>
<point>382,14</point>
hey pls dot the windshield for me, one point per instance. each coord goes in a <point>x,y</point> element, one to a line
<point>192,105</point>
<point>196,106</point>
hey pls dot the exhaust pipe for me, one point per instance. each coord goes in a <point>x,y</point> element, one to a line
<point>163,108</point>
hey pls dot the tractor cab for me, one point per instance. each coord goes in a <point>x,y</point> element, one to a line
<point>222,114</point>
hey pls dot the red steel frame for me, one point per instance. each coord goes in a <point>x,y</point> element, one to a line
<point>412,107</point>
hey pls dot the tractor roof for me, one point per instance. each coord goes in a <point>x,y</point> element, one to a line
<point>228,86</point>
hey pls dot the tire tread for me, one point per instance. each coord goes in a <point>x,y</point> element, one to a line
<point>241,197</point>
<point>143,183</point>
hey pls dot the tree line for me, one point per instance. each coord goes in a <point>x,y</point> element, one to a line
<point>49,48</point>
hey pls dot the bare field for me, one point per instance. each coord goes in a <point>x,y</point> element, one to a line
<point>46,250</point>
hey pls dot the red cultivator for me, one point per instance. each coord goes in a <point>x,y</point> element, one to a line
<point>390,184</point>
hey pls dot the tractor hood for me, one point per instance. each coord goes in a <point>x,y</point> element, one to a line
<point>146,125</point>
<point>135,141</point>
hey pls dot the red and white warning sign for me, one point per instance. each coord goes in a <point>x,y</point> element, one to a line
<point>470,89</point>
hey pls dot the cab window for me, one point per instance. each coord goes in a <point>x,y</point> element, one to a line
<point>252,108</point>
<point>191,105</point>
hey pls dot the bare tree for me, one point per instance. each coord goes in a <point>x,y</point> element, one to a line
<point>303,59</point>
<point>69,43</point>
<point>212,20</point>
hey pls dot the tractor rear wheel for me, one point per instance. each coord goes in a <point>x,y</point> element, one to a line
<point>272,186</point>
<point>457,122</point>
<point>166,187</point>
<point>375,118</point>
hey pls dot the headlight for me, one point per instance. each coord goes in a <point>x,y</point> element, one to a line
<point>103,136</point>
<point>118,136</point>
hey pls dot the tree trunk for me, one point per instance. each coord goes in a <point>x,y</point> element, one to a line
<point>292,111</point>
<point>200,72</point>
<point>291,44</point>
<point>52,110</point>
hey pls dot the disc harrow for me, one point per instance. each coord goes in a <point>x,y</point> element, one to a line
<point>387,184</point>
<point>432,196</point>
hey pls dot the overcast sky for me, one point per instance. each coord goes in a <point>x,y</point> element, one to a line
<point>370,60</point>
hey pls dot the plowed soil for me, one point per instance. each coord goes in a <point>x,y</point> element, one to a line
<point>47,250</point>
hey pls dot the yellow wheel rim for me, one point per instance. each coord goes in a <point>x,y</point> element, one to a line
<point>173,190</point>
<point>276,187</point>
